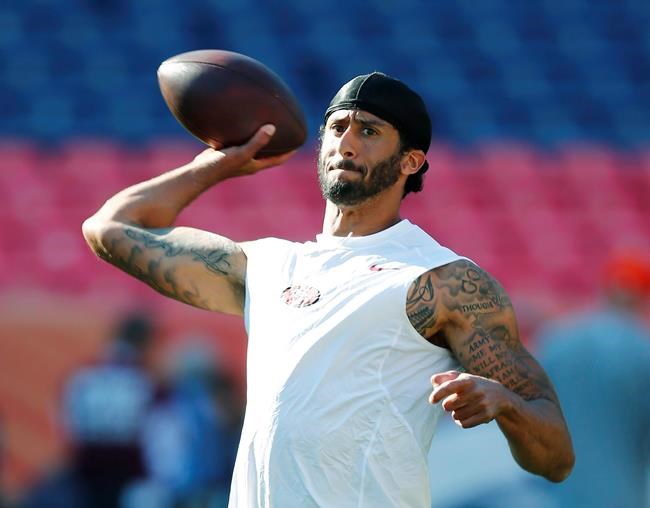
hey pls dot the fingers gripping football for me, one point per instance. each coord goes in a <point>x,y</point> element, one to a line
<point>240,160</point>
<point>471,400</point>
<point>244,156</point>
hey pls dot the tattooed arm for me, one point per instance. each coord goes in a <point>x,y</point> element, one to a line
<point>461,307</point>
<point>132,230</point>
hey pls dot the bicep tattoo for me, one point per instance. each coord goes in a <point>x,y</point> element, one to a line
<point>493,352</point>
<point>156,259</point>
<point>420,307</point>
<point>482,331</point>
<point>216,260</point>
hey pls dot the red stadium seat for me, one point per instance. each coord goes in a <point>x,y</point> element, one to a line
<point>514,174</point>
<point>537,221</point>
<point>17,155</point>
<point>163,155</point>
<point>593,173</point>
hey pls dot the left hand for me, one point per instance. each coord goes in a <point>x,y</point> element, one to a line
<point>472,400</point>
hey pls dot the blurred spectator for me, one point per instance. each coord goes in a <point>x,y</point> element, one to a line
<point>190,436</point>
<point>103,408</point>
<point>600,365</point>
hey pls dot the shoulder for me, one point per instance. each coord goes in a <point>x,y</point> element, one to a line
<point>269,257</point>
<point>467,283</point>
<point>453,294</point>
<point>429,251</point>
<point>267,246</point>
<point>464,282</point>
<point>469,294</point>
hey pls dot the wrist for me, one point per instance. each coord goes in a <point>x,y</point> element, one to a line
<point>510,405</point>
<point>205,174</point>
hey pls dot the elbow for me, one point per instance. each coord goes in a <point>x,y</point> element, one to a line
<point>562,467</point>
<point>90,230</point>
<point>555,465</point>
<point>94,232</point>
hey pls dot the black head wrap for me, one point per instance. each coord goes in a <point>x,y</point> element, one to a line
<point>392,101</point>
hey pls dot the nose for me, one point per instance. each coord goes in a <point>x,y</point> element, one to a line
<point>347,144</point>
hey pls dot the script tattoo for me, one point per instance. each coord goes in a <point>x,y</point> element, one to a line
<point>216,261</point>
<point>143,256</point>
<point>475,316</point>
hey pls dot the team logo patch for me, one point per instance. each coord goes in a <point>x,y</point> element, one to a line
<point>300,296</point>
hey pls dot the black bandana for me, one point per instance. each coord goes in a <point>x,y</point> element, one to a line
<point>392,101</point>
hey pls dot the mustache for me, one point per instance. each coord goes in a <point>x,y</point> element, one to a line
<point>348,165</point>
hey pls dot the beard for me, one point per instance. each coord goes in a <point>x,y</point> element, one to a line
<point>348,193</point>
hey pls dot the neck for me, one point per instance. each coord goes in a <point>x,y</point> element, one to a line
<point>360,220</point>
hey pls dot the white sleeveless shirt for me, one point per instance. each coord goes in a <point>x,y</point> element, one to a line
<point>338,379</point>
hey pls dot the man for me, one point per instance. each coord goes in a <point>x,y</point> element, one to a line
<point>105,452</point>
<point>610,411</point>
<point>345,332</point>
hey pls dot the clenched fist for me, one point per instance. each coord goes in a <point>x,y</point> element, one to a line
<point>471,400</point>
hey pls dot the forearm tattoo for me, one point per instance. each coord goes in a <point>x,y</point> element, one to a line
<point>473,315</point>
<point>216,260</point>
<point>144,254</point>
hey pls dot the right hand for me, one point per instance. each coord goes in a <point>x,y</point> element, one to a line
<point>239,160</point>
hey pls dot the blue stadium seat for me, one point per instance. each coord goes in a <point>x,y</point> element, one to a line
<point>51,115</point>
<point>11,29</point>
<point>512,66</point>
<point>14,106</point>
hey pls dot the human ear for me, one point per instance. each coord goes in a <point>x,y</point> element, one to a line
<point>412,162</point>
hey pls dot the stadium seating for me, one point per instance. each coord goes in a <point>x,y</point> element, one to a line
<point>539,220</point>
<point>538,71</point>
<point>539,167</point>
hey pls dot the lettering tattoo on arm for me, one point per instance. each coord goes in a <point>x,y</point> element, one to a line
<point>150,256</point>
<point>475,316</point>
<point>216,260</point>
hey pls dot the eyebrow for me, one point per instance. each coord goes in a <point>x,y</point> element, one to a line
<point>371,122</point>
<point>362,120</point>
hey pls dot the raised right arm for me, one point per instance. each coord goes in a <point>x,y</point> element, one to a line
<point>133,230</point>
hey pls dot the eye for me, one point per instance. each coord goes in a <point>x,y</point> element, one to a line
<point>369,131</point>
<point>337,127</point>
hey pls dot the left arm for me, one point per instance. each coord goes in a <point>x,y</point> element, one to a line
<point>470,313</point>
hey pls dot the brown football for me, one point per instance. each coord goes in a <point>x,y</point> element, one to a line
<point>222,98</point>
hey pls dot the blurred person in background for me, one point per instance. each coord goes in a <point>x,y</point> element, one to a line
<point>190,434</point>
<point>103,408</point>
<point>600,365</point>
